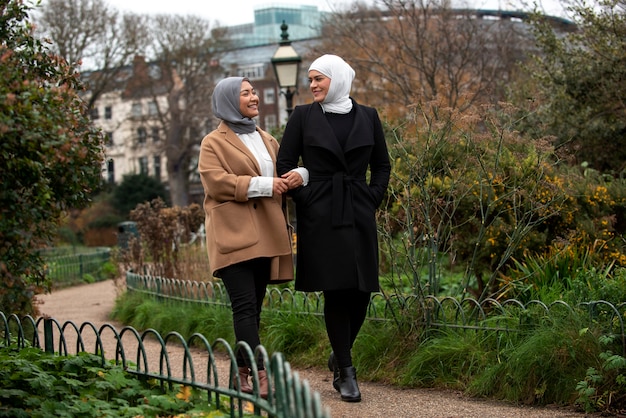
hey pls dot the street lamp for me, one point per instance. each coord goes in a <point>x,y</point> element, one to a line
<point>286,63</point>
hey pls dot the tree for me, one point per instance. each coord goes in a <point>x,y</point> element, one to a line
<point>50,158</point>
<point>188,50</point>
<point>136,189</point>
<point>577,86</point>
<point>415,52</point>
<point>91,35</point>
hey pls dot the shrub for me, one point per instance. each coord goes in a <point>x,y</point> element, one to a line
<point>136,189</point>
<point>36,384</point>
<point>604,388</point>
<point>163,232</point>
<point>51,155</point>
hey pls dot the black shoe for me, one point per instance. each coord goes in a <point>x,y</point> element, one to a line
<point>332,366</point>
<point>348,386</point>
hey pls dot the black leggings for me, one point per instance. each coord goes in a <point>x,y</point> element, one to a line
<point>344,314</point>
<point>245,283</point>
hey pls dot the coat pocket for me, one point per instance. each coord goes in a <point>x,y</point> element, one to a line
<point>233,226</point>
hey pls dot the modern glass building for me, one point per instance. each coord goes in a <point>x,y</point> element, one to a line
<point>304,23</point>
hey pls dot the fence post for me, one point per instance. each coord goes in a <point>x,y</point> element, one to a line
<point>80,266</point>
<point>48,336</point>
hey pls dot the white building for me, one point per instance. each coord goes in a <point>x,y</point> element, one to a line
<point>128,111</point>
<point>129,120</point>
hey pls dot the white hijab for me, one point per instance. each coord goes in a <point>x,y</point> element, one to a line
<point>337,99</point>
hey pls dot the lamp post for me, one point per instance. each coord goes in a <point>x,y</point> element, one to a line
<point>286,63</point>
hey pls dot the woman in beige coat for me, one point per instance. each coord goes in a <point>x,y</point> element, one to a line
<point>247,239</point>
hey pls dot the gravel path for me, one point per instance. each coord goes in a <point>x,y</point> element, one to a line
<point>93,303</point>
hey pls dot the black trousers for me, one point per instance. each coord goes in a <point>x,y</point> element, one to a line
<point>344,314</point>
<point>246,283</point>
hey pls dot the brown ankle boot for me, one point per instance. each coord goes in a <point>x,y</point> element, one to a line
<point>263,384</point>
<point>244,372</point>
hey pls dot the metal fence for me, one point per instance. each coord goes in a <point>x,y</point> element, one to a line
<point>201,365</point>
<point>64,267</point>
<point>509,315</point>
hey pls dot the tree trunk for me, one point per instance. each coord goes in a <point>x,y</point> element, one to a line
<point>178,188</point>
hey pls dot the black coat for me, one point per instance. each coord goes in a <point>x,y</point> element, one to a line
<point>337,245</point>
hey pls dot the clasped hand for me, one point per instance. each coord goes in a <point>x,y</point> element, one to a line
<point>287,181</point>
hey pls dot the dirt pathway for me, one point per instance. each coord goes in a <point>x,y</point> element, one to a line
<point>93,303</point>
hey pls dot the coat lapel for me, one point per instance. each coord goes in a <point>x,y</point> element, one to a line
<point>232,137</point>
<point>360,134</point>
<point>323,135</point>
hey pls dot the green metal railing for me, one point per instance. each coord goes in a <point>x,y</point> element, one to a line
<point>289,397</point>
<point>66,268</point>
<point>447,312</point>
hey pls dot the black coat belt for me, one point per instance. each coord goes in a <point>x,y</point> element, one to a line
<point>342,209</point>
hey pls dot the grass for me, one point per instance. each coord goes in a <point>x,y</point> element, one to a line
<point>143,312</point>
<point>449,359</point>
<point>540,366</point>
<point>522,355</point>
<point>283,332</point>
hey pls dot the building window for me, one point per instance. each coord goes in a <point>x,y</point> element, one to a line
<point>154,71</point>
<point>269,96</point>
<point>143,165</point>
<point>141,135</point>
<point>108,139</point>
<point>94,113</point>
<point>108,112</point>
<point>253,72</point>
<point>154,133</point>
<point>136,110</point>
<point>153,109</point>
<point>270,122</point>
<point>111,171</point>
<point>157,167</point>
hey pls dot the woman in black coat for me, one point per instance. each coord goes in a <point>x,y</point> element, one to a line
<point>338,141</point>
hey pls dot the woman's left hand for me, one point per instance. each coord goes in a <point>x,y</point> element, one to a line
<point>294,179</point>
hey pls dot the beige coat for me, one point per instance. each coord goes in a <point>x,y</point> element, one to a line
<point>238,228</point>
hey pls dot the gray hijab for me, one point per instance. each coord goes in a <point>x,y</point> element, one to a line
<point>226,105</point>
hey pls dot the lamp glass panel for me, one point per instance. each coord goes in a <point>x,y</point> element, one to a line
<point>287,74</point>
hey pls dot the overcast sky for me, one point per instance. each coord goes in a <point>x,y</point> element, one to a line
<point>227,12</point>
<point>235,12</point>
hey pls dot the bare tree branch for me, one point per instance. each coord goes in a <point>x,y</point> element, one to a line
<point>91,34</point>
